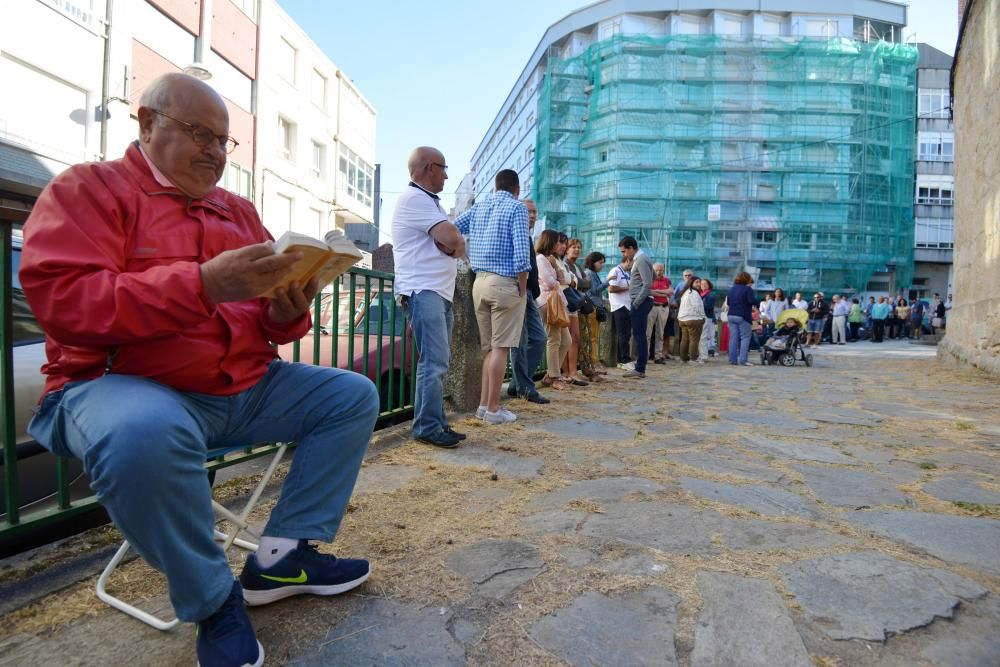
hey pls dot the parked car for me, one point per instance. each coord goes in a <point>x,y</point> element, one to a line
<point>36,467</point>
<point>386,359</point>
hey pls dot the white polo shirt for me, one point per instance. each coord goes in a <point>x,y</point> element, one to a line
<point>619,278</point>
<point>418,263</point>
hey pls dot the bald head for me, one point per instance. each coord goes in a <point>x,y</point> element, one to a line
<point>174,110</point>
<point>165,91</point>
<point>428,168</point>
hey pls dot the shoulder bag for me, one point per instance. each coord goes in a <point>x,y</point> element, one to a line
<point>555,311</point>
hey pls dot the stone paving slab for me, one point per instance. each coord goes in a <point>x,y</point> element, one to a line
<point>636,628</point>
<point>376,478</point>
<point>959,539</point>
<point>385,632</point>
<point>757,498</point>
<point>585,427</point>
<point>503,463</point>
<point>602,488</point>
<point>851,488</point>
<point>771,421</point>
<point>727,635</point>
<point>799,451</point>
<point>677,528</point>
<point>725,461</point>
<point>497,567</point>
<point>962,488</point>
<point>860,595</point>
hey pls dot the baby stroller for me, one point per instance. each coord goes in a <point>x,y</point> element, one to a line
<point>787,345</point>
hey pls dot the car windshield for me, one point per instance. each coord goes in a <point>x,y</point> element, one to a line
<point>378,315</point>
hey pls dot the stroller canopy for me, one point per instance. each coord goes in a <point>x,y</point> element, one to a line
<point>797,314</point>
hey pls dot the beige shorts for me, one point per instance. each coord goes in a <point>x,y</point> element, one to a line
<point>499,310</point>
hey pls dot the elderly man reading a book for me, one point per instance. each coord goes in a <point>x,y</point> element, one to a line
<point>149,282</point>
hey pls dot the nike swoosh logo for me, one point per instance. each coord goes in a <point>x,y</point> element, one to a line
<point>301,579</point>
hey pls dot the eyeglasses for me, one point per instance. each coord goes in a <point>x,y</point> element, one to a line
<point>202,135</point>
<point>438,164</point>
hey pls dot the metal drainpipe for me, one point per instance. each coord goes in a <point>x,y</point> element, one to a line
<point>203,45</point>
<point>337,142</point>
<point>105,76</point>
<point>258,195</point>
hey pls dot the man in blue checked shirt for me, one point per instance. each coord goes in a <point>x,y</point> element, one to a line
<point>498,252</point>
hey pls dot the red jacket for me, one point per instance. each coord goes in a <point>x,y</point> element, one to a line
<point>111,268</point>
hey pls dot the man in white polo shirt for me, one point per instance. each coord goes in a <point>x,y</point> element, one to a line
<point>425,247</point>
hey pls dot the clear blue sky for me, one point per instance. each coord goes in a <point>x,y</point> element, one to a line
<point>437,72</point>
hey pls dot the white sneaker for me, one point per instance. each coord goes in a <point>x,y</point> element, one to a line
<point>630,366</point>
<point>501,416</point>
<point>699,361</point>
<point>480,411</point>
<point>623,367</point>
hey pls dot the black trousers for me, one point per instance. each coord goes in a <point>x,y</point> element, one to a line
<point>623,327</point>
<point>878,330</point>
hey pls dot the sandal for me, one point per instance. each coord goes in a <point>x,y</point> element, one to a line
<point>575,382</point>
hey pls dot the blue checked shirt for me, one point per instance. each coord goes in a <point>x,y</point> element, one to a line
<point>498,235</point>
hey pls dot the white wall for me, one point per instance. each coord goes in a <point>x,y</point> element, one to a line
<point>291,193</point>
<point>49,101</point>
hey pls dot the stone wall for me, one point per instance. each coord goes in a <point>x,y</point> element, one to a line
<point>973,336</point>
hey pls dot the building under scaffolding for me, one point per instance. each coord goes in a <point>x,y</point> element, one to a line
<point>792,158</point>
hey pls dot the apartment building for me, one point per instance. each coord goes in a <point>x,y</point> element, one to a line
<point>724,135</point>
<point>934,194</point>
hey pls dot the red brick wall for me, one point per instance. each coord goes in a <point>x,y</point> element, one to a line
<point>241,129</point>
<point>234,37</point>
<point>146,66</point>
<point>187,13</point>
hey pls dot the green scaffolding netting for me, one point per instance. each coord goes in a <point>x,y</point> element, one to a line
<point>792,158</point>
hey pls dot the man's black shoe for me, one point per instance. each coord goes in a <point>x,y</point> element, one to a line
<point>443,439</point>
<point>460,436</point>
<point>536,398</point>
<point>661,360</point>
<point>511,390</point>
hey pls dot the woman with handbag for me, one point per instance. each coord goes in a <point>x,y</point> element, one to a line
<point>593,265</point>
<point>574,298</point>
<point>552,303</point>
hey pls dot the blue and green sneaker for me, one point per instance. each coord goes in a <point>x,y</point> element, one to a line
<point>302,570</point>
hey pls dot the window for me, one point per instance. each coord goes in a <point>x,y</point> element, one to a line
<point>318,89</point>
<point>934,102</point>
<point>936,147</point>
<point>238,180</point>
<point>318,159</point>
<point>249,7</point>
<point>934,233</point>
<point>765,238</point>
<point>359,176</point>
<point>280,215</point>
<point>286,139</point>
<point>933,195</point>
<point>287,57</point>
<point>317,222</point>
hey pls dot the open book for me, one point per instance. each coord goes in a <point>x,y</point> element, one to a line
<point>325,259</point>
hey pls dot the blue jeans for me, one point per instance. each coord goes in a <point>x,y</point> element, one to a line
<point>739,339</point>
<point>638,315</point>
<point>432,319</point>
<point>524,358</point>
<point>144,447</point>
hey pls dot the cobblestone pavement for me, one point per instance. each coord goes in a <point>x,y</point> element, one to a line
<point>844,514</point>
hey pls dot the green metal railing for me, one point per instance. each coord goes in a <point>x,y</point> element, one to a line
<point>367,333</point>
